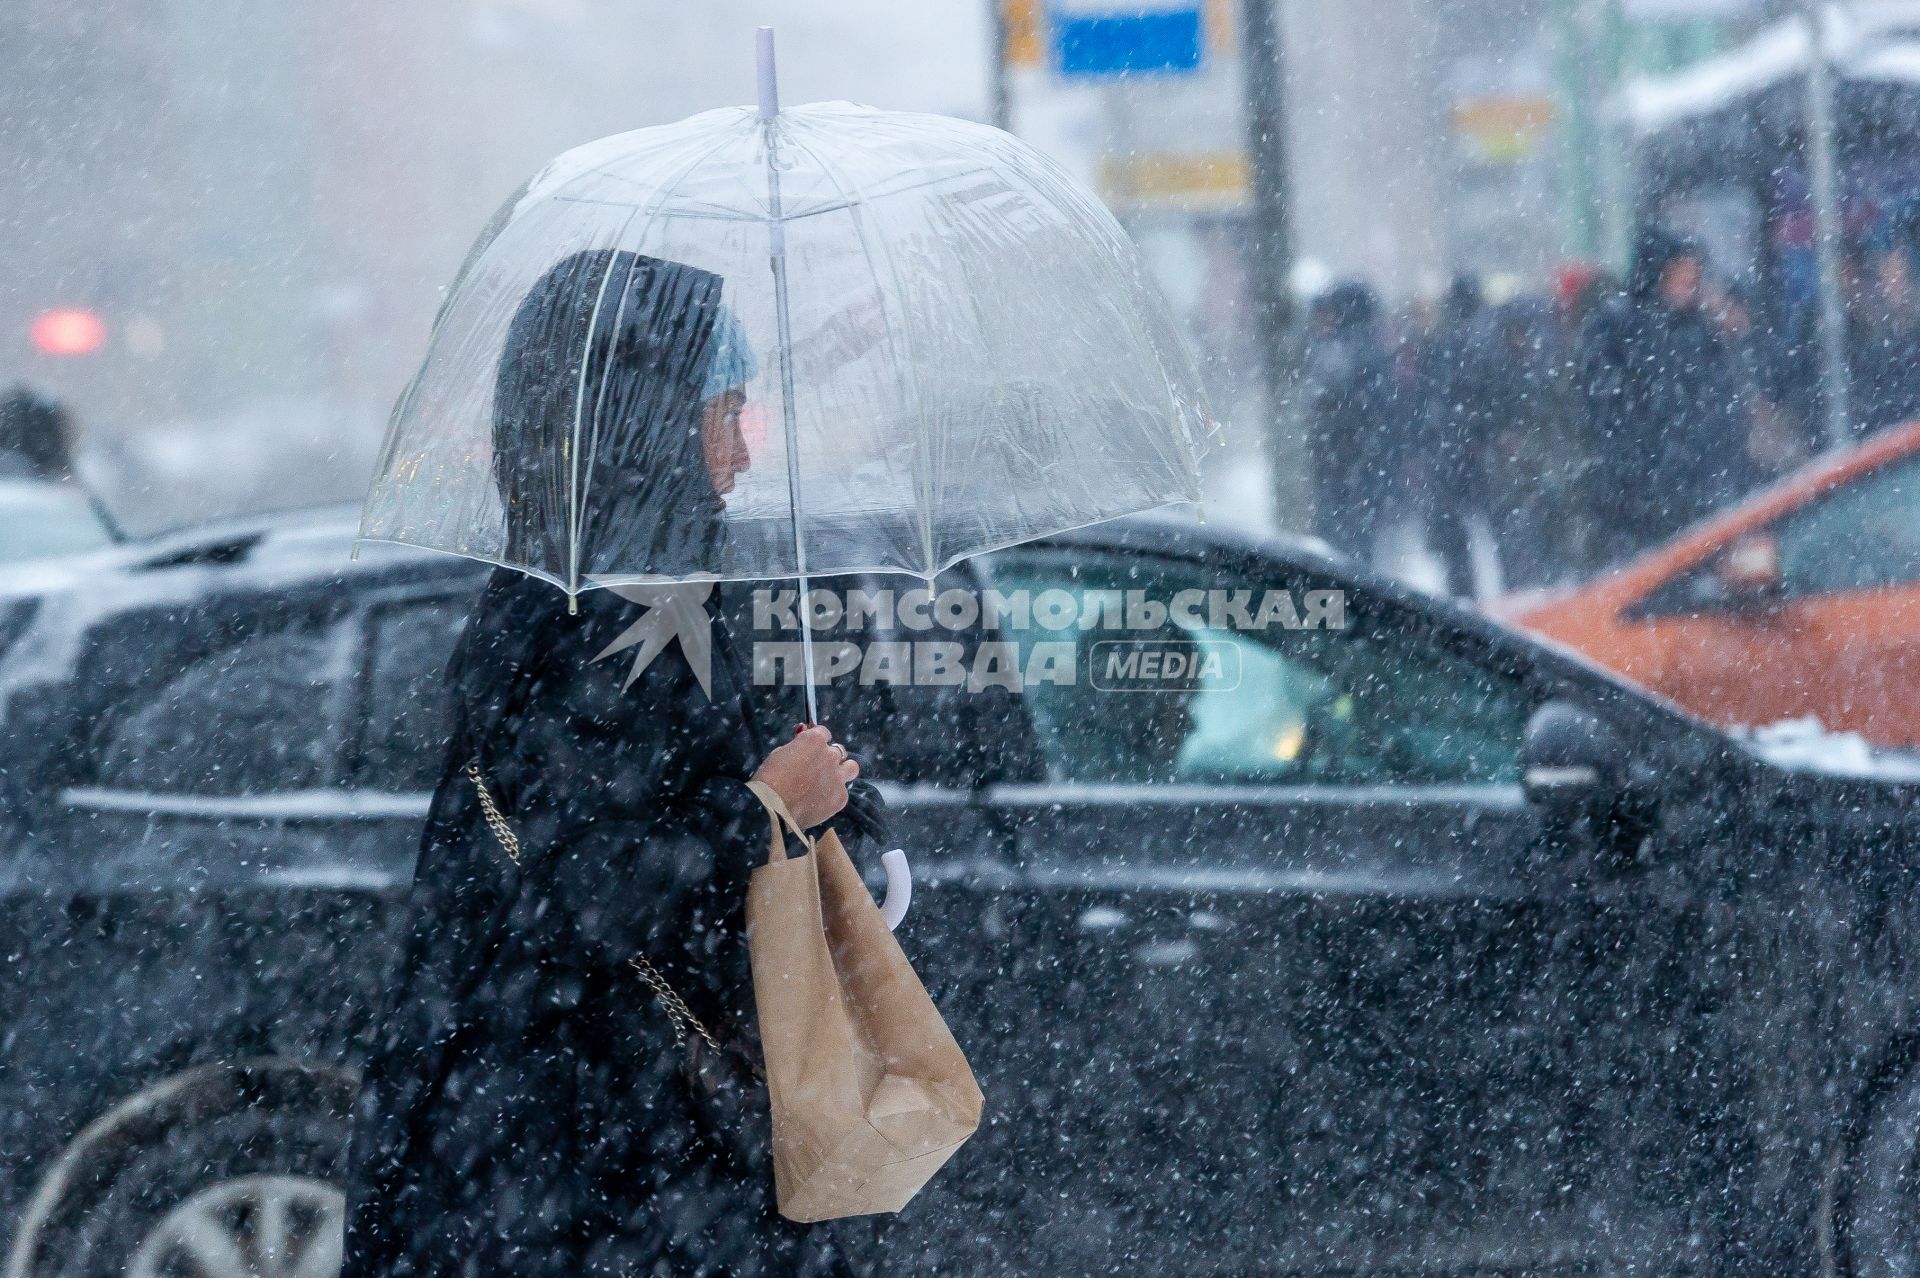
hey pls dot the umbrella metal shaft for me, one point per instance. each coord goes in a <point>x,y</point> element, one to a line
<point>777,253</point>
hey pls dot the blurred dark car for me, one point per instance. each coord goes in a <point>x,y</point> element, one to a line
<point>1421,948</point>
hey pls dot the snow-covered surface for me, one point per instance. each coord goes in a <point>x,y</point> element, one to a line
<point>1874,42</point>
<point>287,805</point>
<point>40,521</point>
<point>1491,795</point>
<point>262,455</point>
<point>1651,103</point>
<point>1804,745</point>
<point>1899,62</point>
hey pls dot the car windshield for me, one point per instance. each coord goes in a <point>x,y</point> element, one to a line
<point>41,521</point>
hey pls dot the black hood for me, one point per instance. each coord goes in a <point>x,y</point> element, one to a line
<point>596,421</point>
<point>1654,249</point>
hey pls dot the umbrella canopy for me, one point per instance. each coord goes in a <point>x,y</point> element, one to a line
<point>752,346</point>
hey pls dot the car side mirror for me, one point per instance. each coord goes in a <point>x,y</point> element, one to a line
<point>1748,572</point>
<point>1571,758</point>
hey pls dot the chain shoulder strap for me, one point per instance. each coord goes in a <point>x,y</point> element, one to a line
<point>677,1010</point>
<point>496,819</point>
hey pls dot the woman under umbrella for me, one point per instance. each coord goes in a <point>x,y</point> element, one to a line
<point>527,1109</point>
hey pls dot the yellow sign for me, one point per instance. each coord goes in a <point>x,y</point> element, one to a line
<point>1213,180</point>
<point>1502,129</point>
<point>1026,32</point>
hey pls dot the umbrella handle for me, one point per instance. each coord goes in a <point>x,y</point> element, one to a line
<point>899,877</point>
<point>899,888</point>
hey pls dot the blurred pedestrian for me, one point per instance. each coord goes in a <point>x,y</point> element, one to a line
<point>1451,422</point>
<point>1883,340</point>
<point>1347,378</point>
<point>1581,291</point>
<point>530,1107</point>
<point>1666,423</point>
<point>36,437</point>
<point>1577,287</point>
<point>1776,434</point>
<point>1529,461</point>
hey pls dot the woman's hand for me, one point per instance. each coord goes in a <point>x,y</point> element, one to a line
<point>810,774</point>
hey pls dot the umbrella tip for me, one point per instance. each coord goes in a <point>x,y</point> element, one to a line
<point>769,81</point>
<point>573,604</point>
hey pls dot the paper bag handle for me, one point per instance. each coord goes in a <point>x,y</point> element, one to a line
<point>776,813</point>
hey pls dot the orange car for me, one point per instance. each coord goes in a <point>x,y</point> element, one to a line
<point>1802,601</point>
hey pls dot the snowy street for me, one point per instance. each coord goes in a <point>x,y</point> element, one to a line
<point>1008,638</point>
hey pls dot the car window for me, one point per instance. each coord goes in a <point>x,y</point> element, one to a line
<point>258,717</point>
<point>1361,702</point>
<point>1860,537</point>
<point>408,707</point>
<point>41,520</point>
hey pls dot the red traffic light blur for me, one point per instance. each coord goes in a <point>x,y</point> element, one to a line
<point>69,330</point>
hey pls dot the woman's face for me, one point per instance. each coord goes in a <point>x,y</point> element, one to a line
<point>1680,282</point>
<point>721,444</point>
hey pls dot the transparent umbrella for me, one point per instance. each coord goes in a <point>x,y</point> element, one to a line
<point>764,344</point>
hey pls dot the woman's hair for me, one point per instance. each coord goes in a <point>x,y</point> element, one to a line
<point>596,419</point>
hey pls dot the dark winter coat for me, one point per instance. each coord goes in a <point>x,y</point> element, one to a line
<point>1666,417</point>
<point>1353,427</point>
<point>1452,415</point>
<point>1885,367</point>
<point>526,1108</point>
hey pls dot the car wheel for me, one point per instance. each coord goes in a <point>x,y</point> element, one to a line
<point>246,1182</point>
<point>249,1195</point>
<point>1882,1207</point>
<point>248,1227</point>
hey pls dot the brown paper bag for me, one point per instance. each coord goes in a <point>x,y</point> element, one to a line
<point>870,1093</point>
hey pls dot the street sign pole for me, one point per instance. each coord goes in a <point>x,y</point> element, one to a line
<point>1271,255</point>
<point>1824,180</point>
<point>1002,98</point>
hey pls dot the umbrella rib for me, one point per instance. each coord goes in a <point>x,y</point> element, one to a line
<point>999,382</point>
<point>600,397</point>
<point>923,450</point>
<point>659,202</point>
<point>599,169</point>
<point>579,403</point>
<point>876,196</point>
<point>390,445</point>
<point>1190,470</point>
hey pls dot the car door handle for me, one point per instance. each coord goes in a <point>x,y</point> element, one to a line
<point>1167,953</point>
<point>1102,918</point>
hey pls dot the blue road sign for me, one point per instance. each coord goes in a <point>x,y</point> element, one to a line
<point>1106,37</point>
